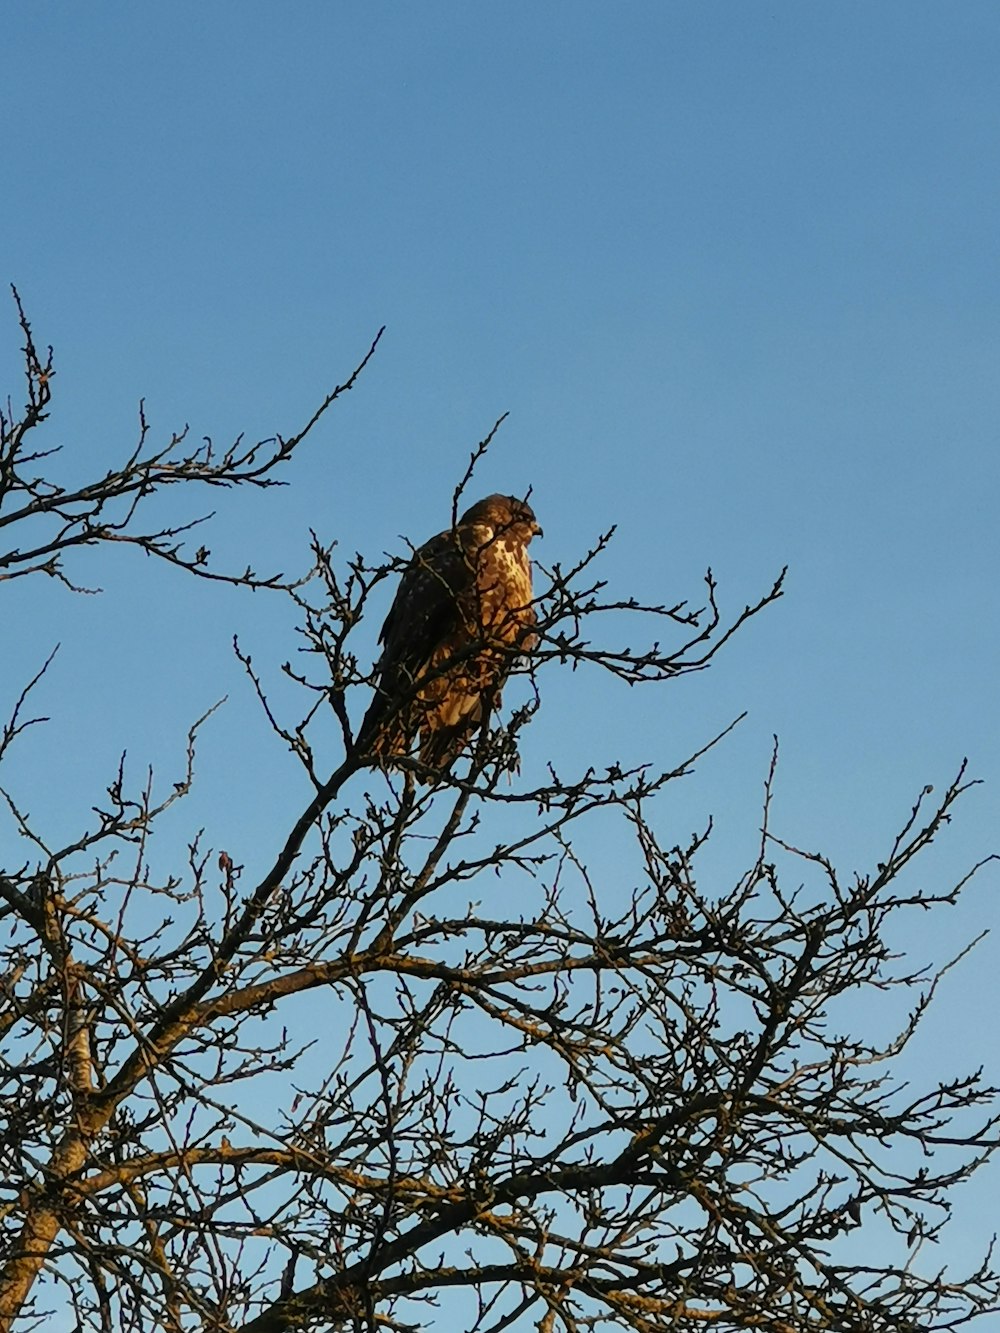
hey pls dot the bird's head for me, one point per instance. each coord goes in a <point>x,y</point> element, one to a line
<point>504,514</point>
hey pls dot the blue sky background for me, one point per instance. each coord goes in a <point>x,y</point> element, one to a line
<point>732,269</point>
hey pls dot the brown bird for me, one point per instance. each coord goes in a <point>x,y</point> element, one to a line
<point>460,617</point>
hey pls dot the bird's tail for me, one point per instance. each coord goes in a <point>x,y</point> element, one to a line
<point>384,732</point>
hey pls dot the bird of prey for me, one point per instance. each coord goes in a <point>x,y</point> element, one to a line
<point>461,615</point>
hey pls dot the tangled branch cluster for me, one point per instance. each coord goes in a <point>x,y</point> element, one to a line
<point>429,1065</point>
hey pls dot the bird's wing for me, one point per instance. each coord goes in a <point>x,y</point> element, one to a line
<point>426,609</point>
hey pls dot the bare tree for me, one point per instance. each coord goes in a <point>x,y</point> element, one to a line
<point>547,1095</point>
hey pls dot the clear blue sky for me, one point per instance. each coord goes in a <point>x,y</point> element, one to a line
<point>732,268</point>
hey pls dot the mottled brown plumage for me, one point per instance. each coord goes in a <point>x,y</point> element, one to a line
<point>461,615</point>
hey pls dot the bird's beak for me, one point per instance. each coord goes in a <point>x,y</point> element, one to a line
<point>536,531</point>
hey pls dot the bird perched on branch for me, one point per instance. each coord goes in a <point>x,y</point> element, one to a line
<point>461,615</point>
